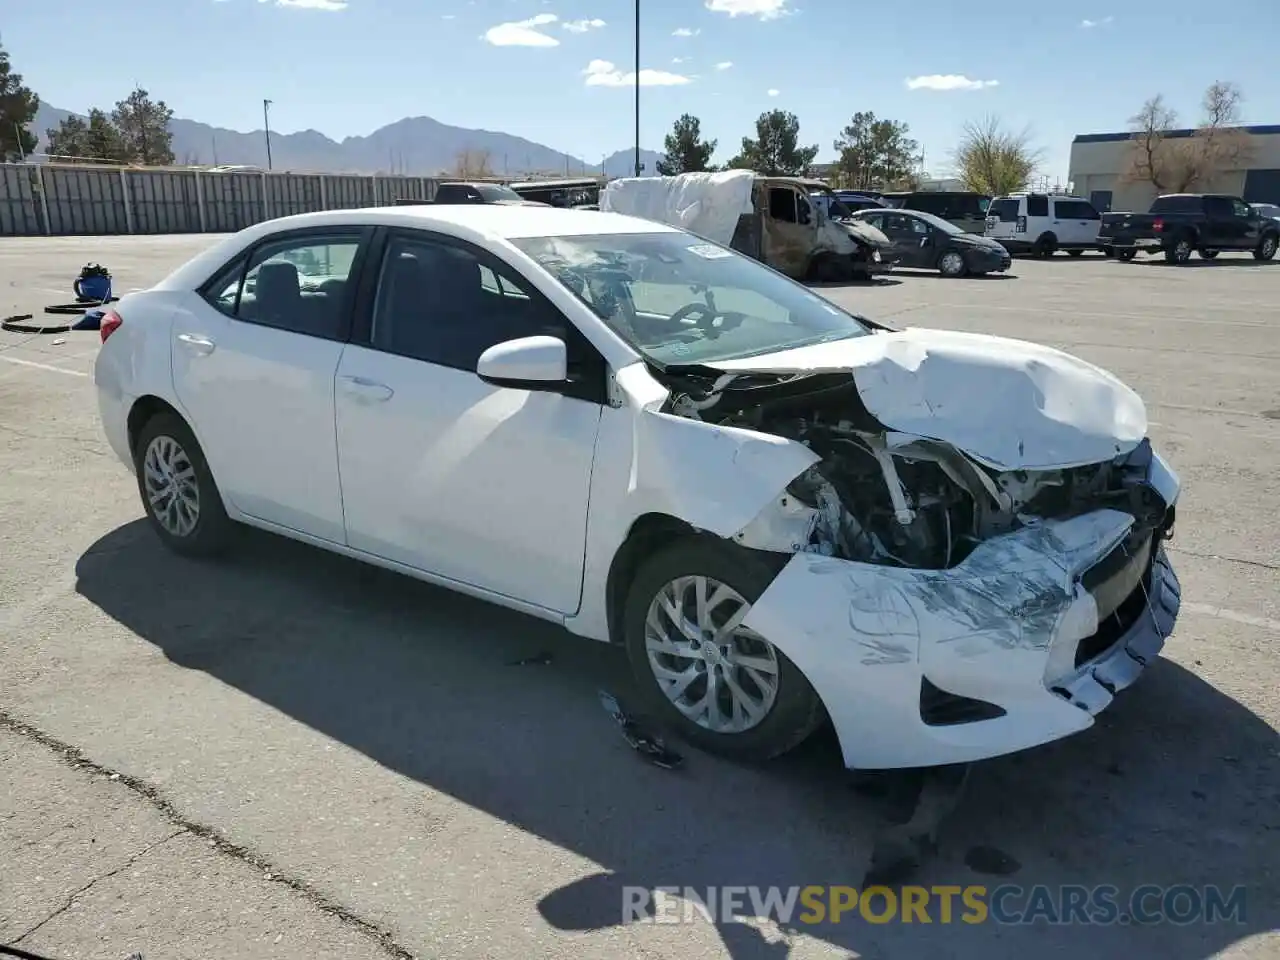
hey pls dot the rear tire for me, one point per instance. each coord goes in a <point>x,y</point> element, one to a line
<point>1045,246</point>
<point>1075,253</point>
<point>1266,248</point>
<point>951,264</point>
<point>1126,255</point>
<point>793,710</point>
<point>178,492</point>
<point>1208,254</point>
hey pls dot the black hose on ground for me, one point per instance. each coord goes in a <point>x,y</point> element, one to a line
<point>17,323</point>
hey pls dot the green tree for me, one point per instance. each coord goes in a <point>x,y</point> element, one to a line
<point>18,106</point>
<point>775,151</point>
<point>95,141</point>
<point>876,153</point>
<point>686,151</point>
<point>143,125</point>
<point>993,160</point>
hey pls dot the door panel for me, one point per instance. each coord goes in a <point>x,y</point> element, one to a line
<point>788,242</point>
<point>442,471</point>
<point>260,395</point>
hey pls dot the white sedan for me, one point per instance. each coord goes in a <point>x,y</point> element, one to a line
<point>948,544</point>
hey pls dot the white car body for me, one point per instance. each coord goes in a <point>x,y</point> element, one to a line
<point>1020,221</point>
<point>528,497</point>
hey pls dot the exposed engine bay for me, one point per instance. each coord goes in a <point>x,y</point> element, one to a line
<point>884,497</point>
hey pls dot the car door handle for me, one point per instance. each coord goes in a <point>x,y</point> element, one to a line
<point>367,389</point>
<point>198,344</point>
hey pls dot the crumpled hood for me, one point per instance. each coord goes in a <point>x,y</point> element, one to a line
<point>1007,403</point>
<point>865,233</point>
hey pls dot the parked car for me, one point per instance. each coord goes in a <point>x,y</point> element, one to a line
<point>965,209</point>
<point>1266,210</point>
<point>1181,223</point>
<point>448,193</point>
<point>923,240</point>
<point>854,201</point>
<point>948,543</point>
<point>1041,224</point>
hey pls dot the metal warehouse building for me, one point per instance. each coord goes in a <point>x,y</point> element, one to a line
<point>1099,162</point>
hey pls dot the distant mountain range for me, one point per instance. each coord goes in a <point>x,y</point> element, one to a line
<point>418,146</point>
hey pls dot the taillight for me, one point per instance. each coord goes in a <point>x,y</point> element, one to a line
<point>1157,226</point>
<point>110,324</point>
<point>1022,225</point>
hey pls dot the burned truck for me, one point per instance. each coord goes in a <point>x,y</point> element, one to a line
<point>789,223</point>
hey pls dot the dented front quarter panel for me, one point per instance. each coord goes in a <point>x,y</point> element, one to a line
<point>1002,627</point>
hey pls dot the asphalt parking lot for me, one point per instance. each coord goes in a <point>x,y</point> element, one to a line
<point>288,755</point>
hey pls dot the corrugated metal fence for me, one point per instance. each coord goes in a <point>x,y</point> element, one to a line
<point>56,200</point>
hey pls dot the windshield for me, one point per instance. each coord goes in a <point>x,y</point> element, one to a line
<point>938,223</point>
<point>679,299</point>
<point>493,192</point>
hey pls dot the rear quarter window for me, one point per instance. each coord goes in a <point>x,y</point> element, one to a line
<point>1005,210</point>
<point>1037,206</point>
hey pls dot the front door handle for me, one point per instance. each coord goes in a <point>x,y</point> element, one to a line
<point>198,344</point>
<point>366,389</point>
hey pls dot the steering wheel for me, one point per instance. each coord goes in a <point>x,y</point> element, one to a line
<point>705,317</point>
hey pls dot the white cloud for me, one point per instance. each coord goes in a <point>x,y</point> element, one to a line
<point>449,16</point>
<point>948,81</point>
<point>582,26</point>
<point>725,65</point>
<point>330,5</point>
<point>523,33</point>
<point>773,93</point>
<point>764,9</point>
<point>679,59</point>
<point>1086,24</point>
<point>602,73</point>
<point>684,32</point>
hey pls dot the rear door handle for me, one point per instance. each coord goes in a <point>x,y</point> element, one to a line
<point>198,344</point>
<point>366,389</point>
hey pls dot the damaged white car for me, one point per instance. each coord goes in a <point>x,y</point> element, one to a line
<point>948,544</point>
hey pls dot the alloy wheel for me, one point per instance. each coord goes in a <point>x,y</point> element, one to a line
<point>173,493</point>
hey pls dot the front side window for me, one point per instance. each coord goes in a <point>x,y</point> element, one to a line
<point>438,302</point>
<point>681,300</point>
<point>782,204</point>
<point>298,284</point>
<point>1240,208</point>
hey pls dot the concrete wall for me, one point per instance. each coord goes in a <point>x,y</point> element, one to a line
<point>58,200</point>
<point>1099,162</point>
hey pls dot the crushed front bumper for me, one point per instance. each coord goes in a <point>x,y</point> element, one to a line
<point>1004,651</point>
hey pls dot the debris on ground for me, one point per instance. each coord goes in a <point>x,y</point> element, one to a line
<point>901,848</point>
<point>542,659</point>
<point>650,746</point>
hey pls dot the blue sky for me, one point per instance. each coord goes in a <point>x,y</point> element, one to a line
<point>559,71</point>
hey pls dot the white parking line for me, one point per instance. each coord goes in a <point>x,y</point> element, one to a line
<point>43,366</point>
<point>1248,619</point>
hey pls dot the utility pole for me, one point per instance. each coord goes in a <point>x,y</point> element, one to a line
<point>639,166</point>
<point>266,129</point>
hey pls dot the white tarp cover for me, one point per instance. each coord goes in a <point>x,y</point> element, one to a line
<point>708,204</point>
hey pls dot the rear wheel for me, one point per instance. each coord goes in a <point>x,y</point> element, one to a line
<point>177,489</point>
<point>720,685</point>
<point>1074,253</point>
<point>1126,255</point>
<point>1208,254</point>
<point>1266,249</point>
<point>1046,246</point>
<point>951,264</point>
<point>1179,251</point>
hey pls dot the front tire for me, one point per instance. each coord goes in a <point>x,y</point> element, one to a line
<point>720,686</point>
<point>1125,256</point>
<point>1266,248</point>
<point>178,492</point>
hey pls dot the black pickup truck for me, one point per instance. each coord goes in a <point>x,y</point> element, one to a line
<point>1179,223</point>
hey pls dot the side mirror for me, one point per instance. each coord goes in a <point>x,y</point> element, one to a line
<point>529,363</point>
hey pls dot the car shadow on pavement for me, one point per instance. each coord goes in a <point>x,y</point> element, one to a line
<point>1177,784</point>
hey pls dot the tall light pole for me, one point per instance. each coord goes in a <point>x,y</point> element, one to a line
<point>639,166</point>
<point>266,129</point>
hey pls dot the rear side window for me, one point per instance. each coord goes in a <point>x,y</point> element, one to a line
<point>1037,206</point>
<point>936,203</point>
<point>1005,210</point>
<point>1176,204</point>
<point>1075,210</point>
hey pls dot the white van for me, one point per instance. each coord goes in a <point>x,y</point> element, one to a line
<point>1042,224</point>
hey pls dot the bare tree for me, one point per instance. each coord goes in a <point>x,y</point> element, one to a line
<point>1174,164</point>
<point>994,160</point>
<point>472,164</point>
